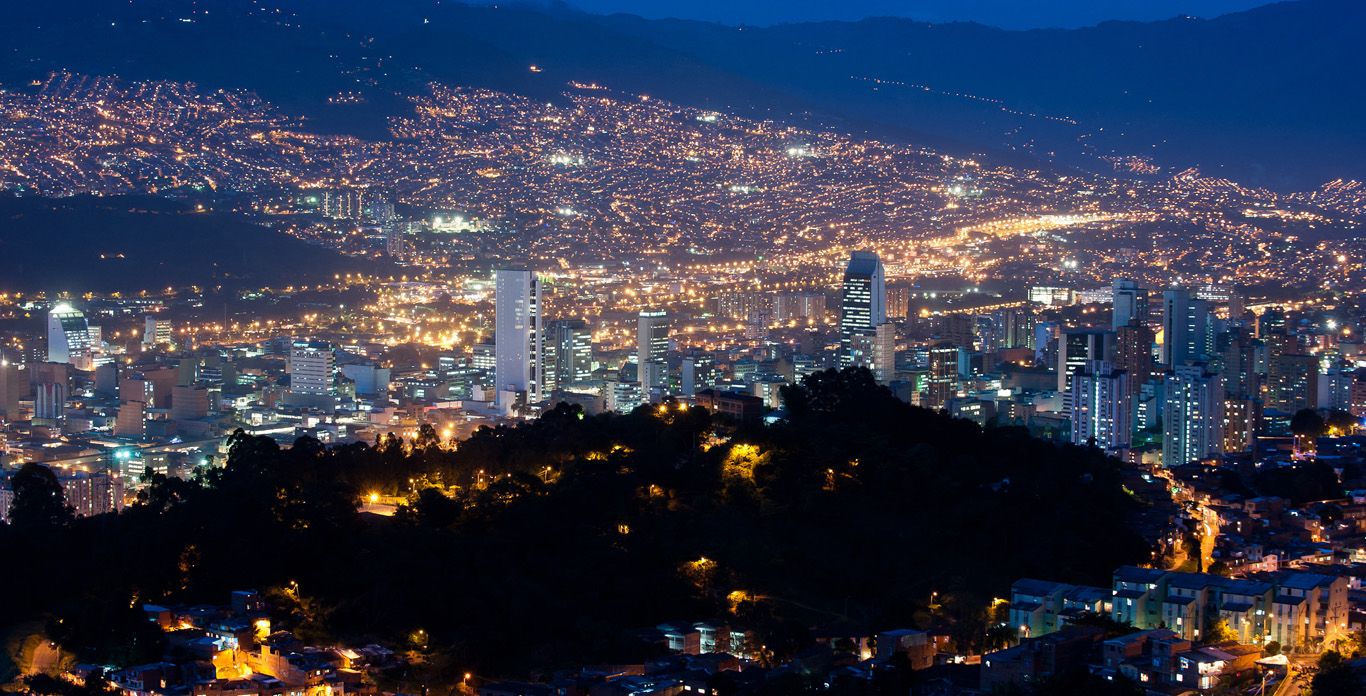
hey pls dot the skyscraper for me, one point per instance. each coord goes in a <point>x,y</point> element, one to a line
<point>568,353</point>
<point>1187,333</point>
<point>68,337</point>
<point>1130,303</point>
<point>1193,419</point>
<point>1101,403</point>
<point>652,347</point>
<point>942,384</point>
<point>883,361</point>
<point>863,301</point>
<point>157,331</point>
<point>518,336</point>
<point>1078,348</point>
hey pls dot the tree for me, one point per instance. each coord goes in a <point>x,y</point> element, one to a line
<point>39,502</point>
<point>1307,422</point>
<point>1220,632</point>
<point>1336,677</point>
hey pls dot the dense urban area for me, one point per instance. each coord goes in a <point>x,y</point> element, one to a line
<point>605,395</point>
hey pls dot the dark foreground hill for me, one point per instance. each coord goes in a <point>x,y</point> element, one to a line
<point>1269,96</point>
<point>130,244</point>
<point>854,511</point>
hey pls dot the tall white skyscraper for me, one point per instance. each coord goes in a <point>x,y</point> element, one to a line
<point>652,346</point>
<point>519,337</point>
<point>1193,418</point>
<point>1187,332</point>
<point>68,337</point>
<point>863,303</point>
<point>1101,407</point>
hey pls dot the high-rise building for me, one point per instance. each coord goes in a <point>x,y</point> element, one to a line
<point>1292,382</point>
<point>311,367</point>
<point>1193,419</point>
<point>1187,332</point>
<point>799,305</point>
<point>1078,348</point>
<point>652,347</point>
<point>343,203</point>
<point>157,331</point>
<point>1240,424</point>
<point>568,353</point>
<point>898,302</point>
<point>1014,327</point>
<point>863,301</point>
<point>395,244</point>
<point>68,337</point>
<point>883,361</point>
<point>518,336</point>
<point>942,382</point>
<point>1134,353</point>
<point>1101,403</point>
<point>1130,303</point>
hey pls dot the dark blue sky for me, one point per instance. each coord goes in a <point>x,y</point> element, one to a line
<point>1012,14</point>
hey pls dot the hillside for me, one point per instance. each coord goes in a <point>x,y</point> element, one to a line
<point>106,244</point>
<point>1267,96</point>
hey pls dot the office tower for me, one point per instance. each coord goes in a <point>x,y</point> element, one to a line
<point>1078,348</point>
<point>863,301</point>
<point>484,356</point>
<point>942,382</point>
<point>518,337</point>
<point>157,332</point>
<point>883,361</point>
<point>394,243</point>
<point>1134,353</point>
<point>1193,419</point>
<point>568,353</point>
<point>311,365</point>
<point>1101,403</point>
<point>898,302</point>
<point>1014,327</point>
<point>68,337</point>
<point>1130,304</point>
<point>652,347</point>
<point>1187,332</point>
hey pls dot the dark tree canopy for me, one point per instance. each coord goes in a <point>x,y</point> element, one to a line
<point>590,528</point>
<point>39,502</point>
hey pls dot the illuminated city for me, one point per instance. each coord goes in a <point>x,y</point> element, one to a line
<point>592,390</point>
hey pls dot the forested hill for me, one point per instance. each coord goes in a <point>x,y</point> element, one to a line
<point>855,510</point>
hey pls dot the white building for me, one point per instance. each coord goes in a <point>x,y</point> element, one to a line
<point>1193,416</point>
<point>68,337</point>
<point>652,347</point>
<point>518,338</point>
<point>1101,407</point>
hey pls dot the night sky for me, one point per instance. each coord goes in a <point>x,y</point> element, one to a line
<point>1012,14</point>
